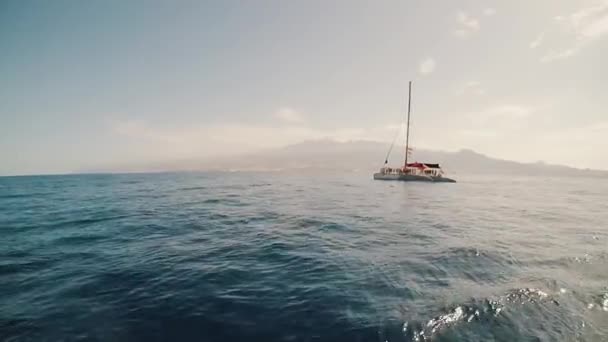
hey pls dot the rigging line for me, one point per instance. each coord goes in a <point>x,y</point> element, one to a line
<point>398,131</point>
<point>393,144</point>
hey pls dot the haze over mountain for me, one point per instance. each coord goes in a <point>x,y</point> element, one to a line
<point>355,156</point>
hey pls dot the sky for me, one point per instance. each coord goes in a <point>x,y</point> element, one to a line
<point>92,84</point>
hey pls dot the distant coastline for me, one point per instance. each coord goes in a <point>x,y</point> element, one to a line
<point>323,156</point>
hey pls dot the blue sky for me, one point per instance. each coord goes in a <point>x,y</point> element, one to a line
<point>88,84</point>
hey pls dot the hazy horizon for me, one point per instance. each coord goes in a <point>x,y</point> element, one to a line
<point>326,156</point>
<point>102,83</point>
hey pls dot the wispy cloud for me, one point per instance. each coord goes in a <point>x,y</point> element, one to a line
<point>500,117</point>
<point>585,26</point>
<point>289,115</point>
<point>471,87</point>
<point>561,54</point>
<point>538,41</point>
<point>466,25</point>
<point>489,11</point>
<point>427,66</point>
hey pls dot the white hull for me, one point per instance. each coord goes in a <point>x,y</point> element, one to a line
<point>412,178</point>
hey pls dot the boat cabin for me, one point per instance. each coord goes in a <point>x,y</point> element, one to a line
<point>426,169</point>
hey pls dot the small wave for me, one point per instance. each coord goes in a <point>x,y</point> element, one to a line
<point>586,258</point>
<point>78,239</point>
<point>7,268</point>
<point>334,227</point>
<point>226,201</point>
<point>310,222</point>
<point>73,222</point>
<point>254,219</point>
<point>474,264</point>
<point>18,329</point>
<point>218,216</point>
<point>367,218</point>
<point>259,185</point>
<point>13,196</point>
<point>466,313</point>
<point>601,303</point>
<point>591,258</point>
<point>193,188</point>
<point>132,181</point>
<point>416,331</point>
<point>88,221</point>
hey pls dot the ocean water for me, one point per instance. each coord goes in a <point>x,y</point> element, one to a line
<point>272,257</point>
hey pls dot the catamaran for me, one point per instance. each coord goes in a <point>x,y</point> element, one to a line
<point>412,172</point>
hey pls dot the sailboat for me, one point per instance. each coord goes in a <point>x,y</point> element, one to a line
<point>412,172</point>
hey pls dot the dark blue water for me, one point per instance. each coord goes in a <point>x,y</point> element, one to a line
<point>268,257</point>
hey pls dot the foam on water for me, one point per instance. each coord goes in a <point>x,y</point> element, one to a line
<point>476,310</point>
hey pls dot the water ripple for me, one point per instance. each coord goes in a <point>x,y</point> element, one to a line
<point>270,257</point>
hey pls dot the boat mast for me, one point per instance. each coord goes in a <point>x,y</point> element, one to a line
<point>407,134</point>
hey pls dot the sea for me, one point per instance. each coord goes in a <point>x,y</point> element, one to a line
<point>267,257</point>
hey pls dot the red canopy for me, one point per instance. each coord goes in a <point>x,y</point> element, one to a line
<point>417,165</point>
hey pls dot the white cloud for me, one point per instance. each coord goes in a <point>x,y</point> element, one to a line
<point>589,14</point>
<point>596,28</point>
<point>466,25</point>
<point>467,22</point>
<point>489,11</point>
<point>427,66</point>
<point>585,26</point>
<point>536,42</point>
<point>289,115</point>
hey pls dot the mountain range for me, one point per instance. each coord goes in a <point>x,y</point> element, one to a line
<point>355,156</point>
